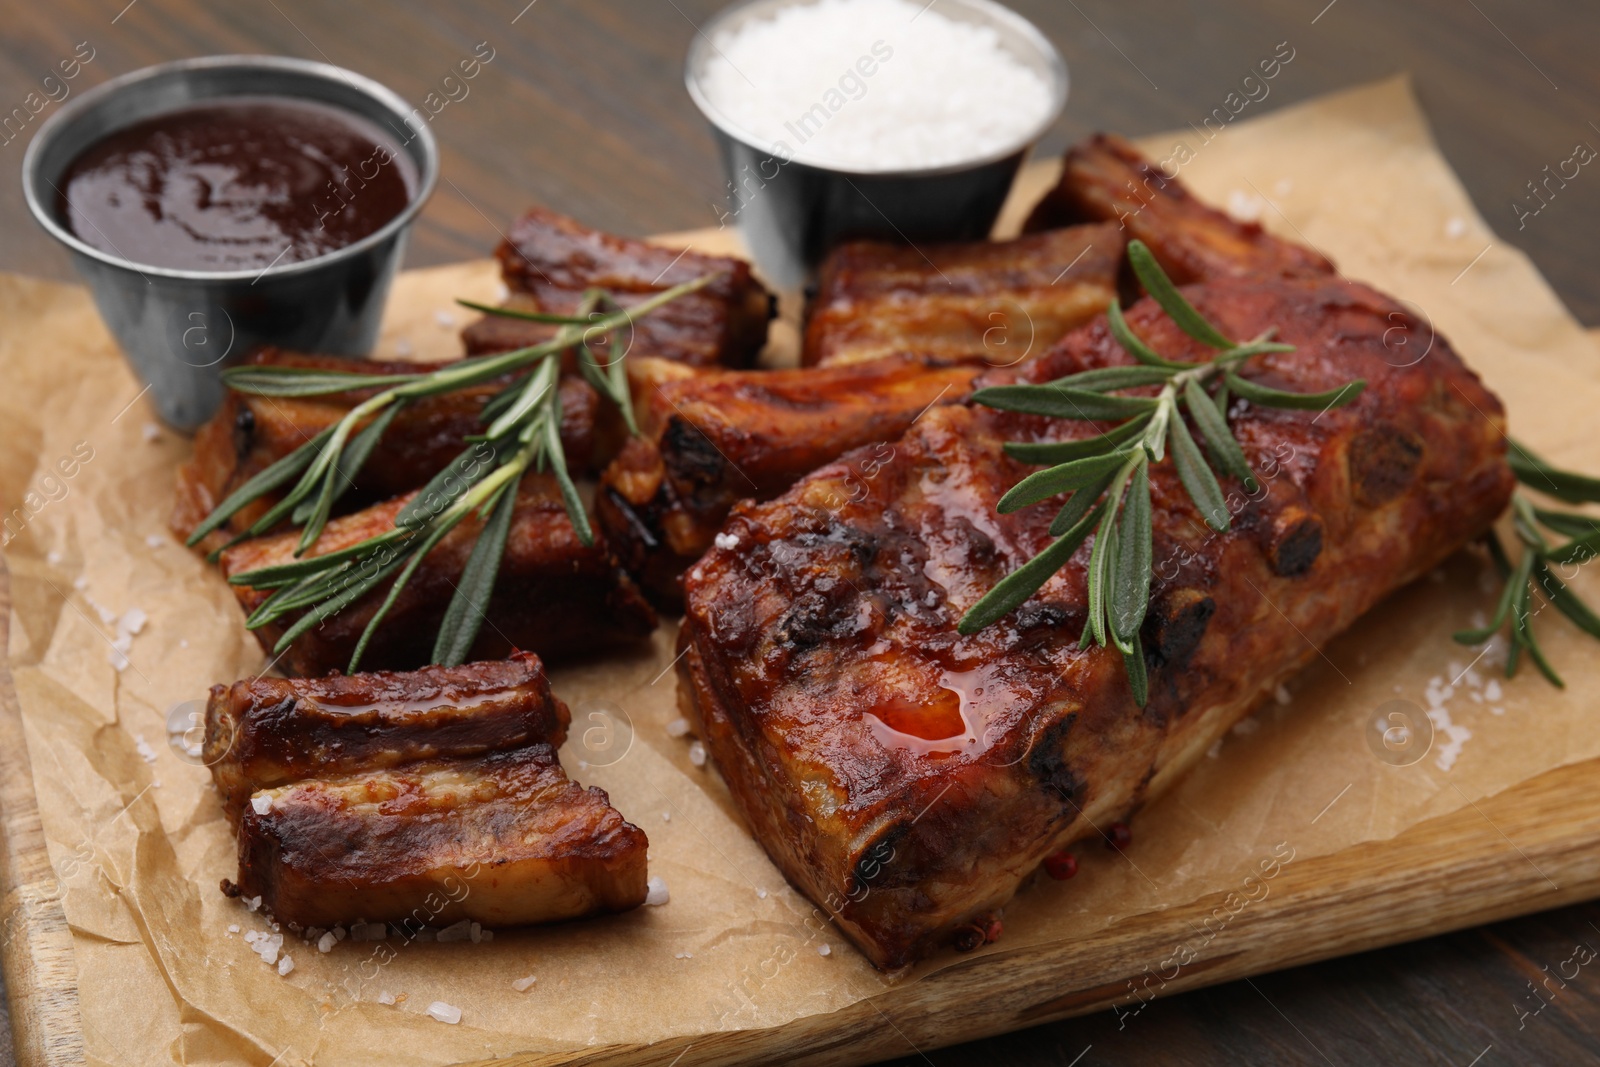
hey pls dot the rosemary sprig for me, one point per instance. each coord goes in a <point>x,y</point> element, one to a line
<point>1109,475</point>
<point>523,433</point>
<point>1535,568</point>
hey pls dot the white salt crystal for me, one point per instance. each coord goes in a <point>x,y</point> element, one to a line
<point>338,933</point>
<point>1455,227</point>
<point>326,942</point>
<point>761,894</point>
<point>444,319</point>
<point>53,557</point>
<point>1491,690</point>
<point>402,347</point>
<point>445,1013</point>
<point>666,816</point>
<point>522,985</point>
<point>1281,694</point>
<point>1246,207</point>
<point>727,542</point>
<point>233,928</point>
<point>252,903</point>
<point>154,540</point>
<point>285,965</point>
<point>488,935</point>
<point>1245,727</point>
<point>1215,750</point>
<point>476,933</point>
<point>460,931</point>
<point>132,621</point>
<point>940,91</point>
<point>677,727</point>
<point>151,431</point>
<point>656,892</point>
<point>385,997</point>
<point>261,803</point>
<point>80,583</point>
<point>142,746</point>
<point>824,950</point>
<point>697,753</point>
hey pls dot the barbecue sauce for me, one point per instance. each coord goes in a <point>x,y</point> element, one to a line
<point>244,183</point>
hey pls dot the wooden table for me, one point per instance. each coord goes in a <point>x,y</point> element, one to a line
<point>582,109</point>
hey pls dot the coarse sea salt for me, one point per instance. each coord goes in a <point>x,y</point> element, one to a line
<point>445,1013</point>
<point>656,892</point>
<point>874,85</point>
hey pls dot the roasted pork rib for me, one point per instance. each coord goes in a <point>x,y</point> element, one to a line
<point>720,437</point>
<point>987,302</point>
<point>265,732</point>
<point>554,595</point>
<point>1105,179</point>
<point>549,261</point>
<point>249,433</point>
<point>505,839</point>
<point>909,778</point>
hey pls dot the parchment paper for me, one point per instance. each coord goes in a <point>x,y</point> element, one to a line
<point>139,843</point>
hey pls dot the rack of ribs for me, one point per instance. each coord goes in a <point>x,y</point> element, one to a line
<point>554,595</point>
<point>549,261</point>
<point>1105,179</point>
<point>994,302</point>
<point>250,433</point>
<point>718,437</point>
<point>265,732</point>
<point>909,778</point>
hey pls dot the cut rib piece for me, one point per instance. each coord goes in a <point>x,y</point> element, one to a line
<point>552,261</point>
<point>503,840</point>
<point>265,732</point>
<point>250,433</point>
<point>1105,179</point>
<point>987,302</point>
<point>721,437</point>
<point>554,596</point>
<point>908,778</point>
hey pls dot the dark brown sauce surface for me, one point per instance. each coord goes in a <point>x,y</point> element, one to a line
<point>241,184</point>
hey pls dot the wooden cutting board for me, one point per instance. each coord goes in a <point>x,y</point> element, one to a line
<point>1532,845</point>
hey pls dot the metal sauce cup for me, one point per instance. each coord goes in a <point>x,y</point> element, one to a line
<point>792,213</point>
<point>179,328</point>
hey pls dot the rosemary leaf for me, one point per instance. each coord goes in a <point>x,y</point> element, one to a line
<point>277,474</point>
<point>1104,379</point>
<point>1014,589</point>
<point>1138,679</point>
<point>396,587</point>
<point>325,609</point>
<point>526,316</point>
<point>1565,600</point>
<point>282,574</point>
<point>286,382</point>
<point>470,604</point>
<point>1566,522</point>
<point>1130,589</point>
<point>1062,451</point>
<point>558,466</point>
<point>1078,505</point>
<point>472,466</point>
<point>1563,485</point>
<point>1502,608</point>
<point>356,454</point>
<point>1578,550</point>
<point>1062,403</point>
<point>1257,393</point>
<point>1163,292</point>
<point>1041,485</point>
<point>1219,439</point>
<point>1197,478</point>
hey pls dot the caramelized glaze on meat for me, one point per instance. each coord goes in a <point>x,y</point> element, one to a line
<point>1105,179</point>
<point>721,437</point>
<point>250,433</point>
<point>503,840</point>
<point>552,261</point>
<point>554,596</point>
<point>264,732</point>
<point>994,302</point>
<point>909,778</point>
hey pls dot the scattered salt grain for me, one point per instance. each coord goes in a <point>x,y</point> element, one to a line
<point>285,965</point>
<point>761,894</point>
<point>460,931</point>
<point>252,903</point>
<point>1491,690</point>
<point>326,942</point>
<point>1215,750</point>
<point>1246,207</point>
<point>727,542</point>
<point>402,347</point>
<point>80,583</point>
<point>132,621</point>
<point>677,727</point>
<point>1281,695</point>
<point>142,746</point>
<point>261,803</point>
<point>1455,227</point>
<point>233,928</point>
<point>666,816</point>
<point>824,950</point>
<point>656,892</point>
<point>338,933</point>
<point>445,1013</point>
<point>488,935</point>
<point>53,557</point>
<point>1245,727</point>
<point>1283,187</point>
<point>385,997</point>
<point>151,431</point>
<point>183,642</point>
<point>154,540</point>
<point>683,956</point>
<point>522,985</point>
<point>476,933</point>
<point>697,753</point>
<point>266,946</point>
<point>874,85</point>
<point>444,319</point>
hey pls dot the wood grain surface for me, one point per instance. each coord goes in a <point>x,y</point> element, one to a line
<point>582,109</point>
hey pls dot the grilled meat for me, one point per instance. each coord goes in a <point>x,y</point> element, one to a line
<point>265,732</point>
<point>250,433</point>
<point>908,778</point>
<point>503,840</point>
<point>994,302</point>
<point>554,596</point>
<point>1105,179</point>
<point>720,437</point>
<point>551,261</point>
